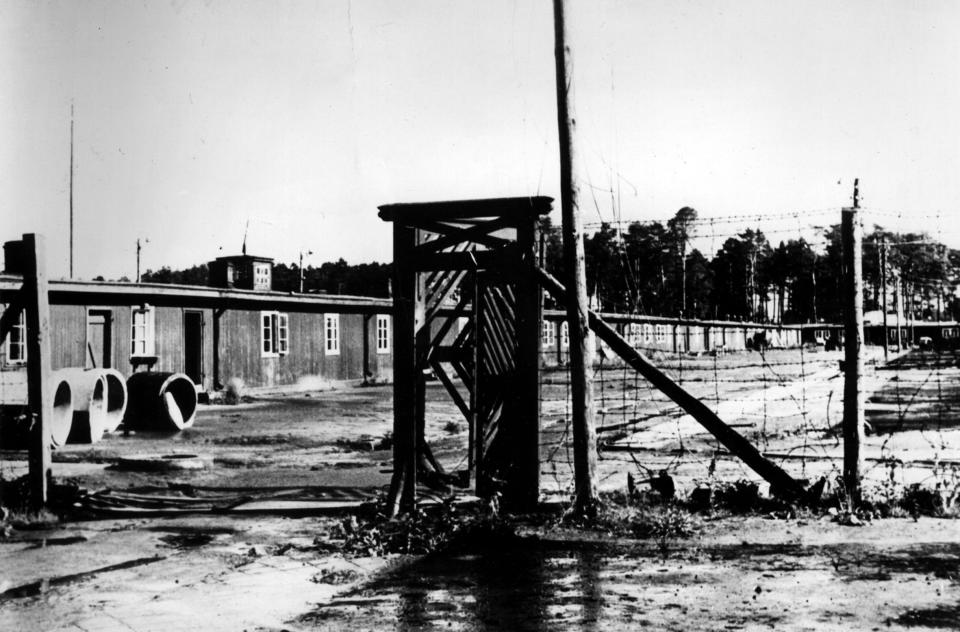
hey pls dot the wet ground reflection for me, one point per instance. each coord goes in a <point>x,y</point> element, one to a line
<point>600,586</point>
<point>521,588</point>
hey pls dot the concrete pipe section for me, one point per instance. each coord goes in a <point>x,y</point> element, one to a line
<point>89,393</point>
<point>160,402</point>
<point>15,420</point>
<point>116,398</point>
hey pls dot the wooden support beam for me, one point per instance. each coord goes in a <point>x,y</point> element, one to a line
<point>526,413</point>
<point>851,236</point>
<point>781,483</point>
<point>448,354</point>
<point>434,277</point>
<point>458,210</point>
<point>39,385</point>
<point>439,298</point>
<point>404,482</point>
<point>448,384</point>
<point>11,315</point>
<point>451,235</point>
<point>498,260</point>
<point>452,317</point>
<point>472,330</point>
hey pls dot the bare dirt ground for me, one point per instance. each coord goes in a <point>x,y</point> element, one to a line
<point>739,574</point>
<point>226,570</point>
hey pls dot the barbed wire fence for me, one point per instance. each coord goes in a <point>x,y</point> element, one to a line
<point>785,395</point>
<point>913,401</point>
<point>787,401</point>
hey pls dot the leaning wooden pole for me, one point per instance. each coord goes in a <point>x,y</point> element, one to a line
<point>581,353</point>
<point>853,403</point>
<point>781,483</point>
<point>39,385</point>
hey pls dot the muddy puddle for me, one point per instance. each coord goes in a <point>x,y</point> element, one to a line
<point>44,543</point>
<point>187,540</point>
<point>535,587</point>
<point>517,587</point>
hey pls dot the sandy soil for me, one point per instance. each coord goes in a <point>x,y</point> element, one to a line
<point>739,574</point>
<point>218,573</point>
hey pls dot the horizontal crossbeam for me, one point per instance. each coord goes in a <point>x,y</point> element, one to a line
<point>461,209</point>
<point>453,235</point>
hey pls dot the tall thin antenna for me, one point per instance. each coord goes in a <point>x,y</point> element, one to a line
<point>71,189</point>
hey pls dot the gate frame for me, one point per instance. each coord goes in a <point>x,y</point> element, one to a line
<point>466,243</point>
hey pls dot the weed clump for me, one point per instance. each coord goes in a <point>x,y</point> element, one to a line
<point>336,577</point>
<point>424,530</point>
<point>892,498</point>
<point>639,514</point>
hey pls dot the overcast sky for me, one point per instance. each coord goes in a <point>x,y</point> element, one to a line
<point>193,117</point>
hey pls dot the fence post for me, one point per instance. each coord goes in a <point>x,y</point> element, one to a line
<point>39,393</point>
<point>853,405</point>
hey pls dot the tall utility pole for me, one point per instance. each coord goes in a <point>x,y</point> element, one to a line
<point>138,259</point>
<point>853,402</point>
<point>883,293</point>
<point>309,252</point>
<point>581,352</point>
<point>71,189</point>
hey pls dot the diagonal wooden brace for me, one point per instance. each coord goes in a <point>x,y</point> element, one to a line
<point>11,315</point>
<point>781,483</point>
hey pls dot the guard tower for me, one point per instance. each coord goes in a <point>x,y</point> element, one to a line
<point>467,305</point>
<point>245,272</point>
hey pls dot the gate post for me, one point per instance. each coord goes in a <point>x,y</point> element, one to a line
<point>526,487</point>
<point>404,482</point>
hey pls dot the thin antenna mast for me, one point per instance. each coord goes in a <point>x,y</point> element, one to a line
<point>71,189</point>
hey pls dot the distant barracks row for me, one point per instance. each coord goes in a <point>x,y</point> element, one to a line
<point>242,330</point>
<point>266,339</point>
<point>272,339</point>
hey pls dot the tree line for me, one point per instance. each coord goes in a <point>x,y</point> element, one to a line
<point>332,277</point>
<point>650,268</point>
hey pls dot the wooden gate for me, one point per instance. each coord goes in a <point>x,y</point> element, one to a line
<point>467,308</point>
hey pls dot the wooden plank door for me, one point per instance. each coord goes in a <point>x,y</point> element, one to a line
<point>99,349</point>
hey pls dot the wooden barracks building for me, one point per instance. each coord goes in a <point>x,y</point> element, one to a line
<point>236,328</point>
